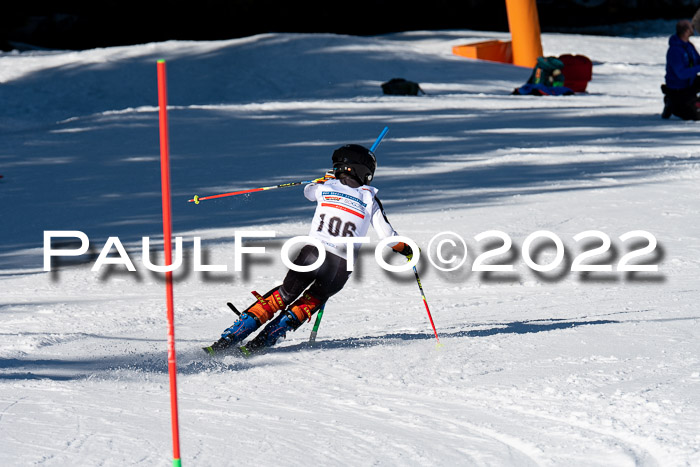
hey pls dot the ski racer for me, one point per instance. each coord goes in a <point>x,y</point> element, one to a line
<point>346,205</point>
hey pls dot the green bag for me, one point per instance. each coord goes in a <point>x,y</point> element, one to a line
<point>548,72</point>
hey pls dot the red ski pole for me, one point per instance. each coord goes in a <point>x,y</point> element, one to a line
<point>197,198</point>
<point>425,302</point>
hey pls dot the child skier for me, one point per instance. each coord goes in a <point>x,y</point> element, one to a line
<point>346,206</point>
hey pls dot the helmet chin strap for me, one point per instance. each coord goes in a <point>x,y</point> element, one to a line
<point>347,179</point>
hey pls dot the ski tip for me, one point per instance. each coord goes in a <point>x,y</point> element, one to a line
<point>439,346</point>
<point>245,351</point>
<point>209,350</point>
<point>196,199</point>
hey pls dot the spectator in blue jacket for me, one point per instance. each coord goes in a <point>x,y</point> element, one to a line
<point>682,67</point>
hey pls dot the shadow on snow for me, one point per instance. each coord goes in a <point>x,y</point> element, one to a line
<point>194,361</point>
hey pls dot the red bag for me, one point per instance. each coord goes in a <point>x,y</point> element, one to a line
<point>578,71</point>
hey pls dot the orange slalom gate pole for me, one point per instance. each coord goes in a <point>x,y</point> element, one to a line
<point>167,240</point>
<point>524,25</point>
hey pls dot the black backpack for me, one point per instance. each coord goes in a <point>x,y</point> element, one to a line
<point>401,87</point>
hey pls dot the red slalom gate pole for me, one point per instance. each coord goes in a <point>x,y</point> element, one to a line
<point>168,246</point>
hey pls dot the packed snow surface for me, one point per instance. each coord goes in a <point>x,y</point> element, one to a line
<point>553,367</point>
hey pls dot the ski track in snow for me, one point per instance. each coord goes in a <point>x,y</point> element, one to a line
<point>552,369</point>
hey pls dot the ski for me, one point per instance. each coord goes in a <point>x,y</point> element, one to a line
<point>222,345</point>
<point>237,351</point>
<point>245,352</point>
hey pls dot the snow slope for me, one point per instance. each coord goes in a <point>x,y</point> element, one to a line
<point>536,368</point>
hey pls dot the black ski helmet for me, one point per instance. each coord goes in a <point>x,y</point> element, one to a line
<point>356,161</point>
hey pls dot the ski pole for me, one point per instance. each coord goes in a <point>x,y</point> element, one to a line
<point>379,138</point>
<point>312,337</point>
<point>314,331</point>
<point>425,302</point>
<point>197,198</point>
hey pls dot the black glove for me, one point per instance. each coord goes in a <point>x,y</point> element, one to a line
<point>404,249</point>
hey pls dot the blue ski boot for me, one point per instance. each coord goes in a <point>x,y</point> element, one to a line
<point>275,330</point>
<point>246,324</point>
<point>251,319</point>
<point>288,320</point>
